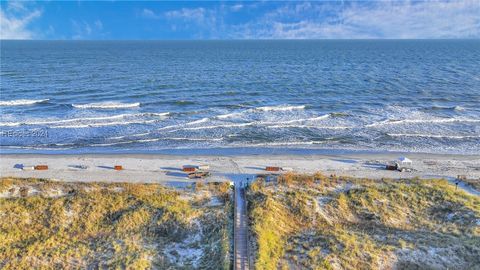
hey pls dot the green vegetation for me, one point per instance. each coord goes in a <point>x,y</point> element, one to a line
<point>319,222</point>
<point>47,225</point>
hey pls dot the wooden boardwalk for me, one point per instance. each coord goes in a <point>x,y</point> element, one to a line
<point>241,255</point>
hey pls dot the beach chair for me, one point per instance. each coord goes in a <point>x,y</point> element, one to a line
<point>189,168</point>
<point>41,167</point>
<point>272,169</point>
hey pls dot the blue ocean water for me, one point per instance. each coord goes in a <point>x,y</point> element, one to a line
<point>108,96</point>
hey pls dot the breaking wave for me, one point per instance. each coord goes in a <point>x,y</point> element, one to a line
<point>420,121</point>
<point>280,108</point>
<point>298,143</point>
<point>117,123</point>
<point>106,105</point>
<point>22,102</point>
<point>459,137</point>
<point>88,121</point>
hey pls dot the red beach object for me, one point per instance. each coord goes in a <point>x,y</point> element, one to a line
<point>272,169</point>
<point>41,167</point>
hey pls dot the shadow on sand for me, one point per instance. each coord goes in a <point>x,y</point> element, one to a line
<point>106,167</point>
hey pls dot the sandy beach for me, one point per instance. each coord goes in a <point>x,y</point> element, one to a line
<point>152,168</point>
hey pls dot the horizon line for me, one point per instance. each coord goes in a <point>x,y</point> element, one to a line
<point>260,39</point>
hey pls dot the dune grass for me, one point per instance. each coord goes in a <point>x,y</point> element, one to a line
<point>319,222</point>
<point>47,225</point>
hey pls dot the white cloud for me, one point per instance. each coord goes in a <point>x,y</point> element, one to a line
<point>16,6</point>
<point>15,21</point>
<point>188,14</point>
<point>204,23</point>
<point>236,7</point>
<point>432,19</point>
<point>149,14</point>
<point>98,24</point>
<point>436,19</point>
<point>88,30</point>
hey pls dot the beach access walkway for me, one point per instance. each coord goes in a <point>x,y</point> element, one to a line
<point>241,255</point>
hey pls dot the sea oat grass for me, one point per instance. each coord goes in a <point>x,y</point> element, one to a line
<point>47,225</point>
<point>320,222</point>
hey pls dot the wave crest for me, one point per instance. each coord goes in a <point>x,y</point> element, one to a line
<point>106,105</point>
<point>89,121</point>
<point>22,102</point>
<point>420,121</point>
<point>280,108</point>
<point>433,136</point>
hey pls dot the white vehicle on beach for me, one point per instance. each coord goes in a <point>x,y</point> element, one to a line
<point>404,164</point>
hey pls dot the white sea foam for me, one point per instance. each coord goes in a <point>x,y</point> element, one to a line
<point>262,109</point>
<point>85,122</point>
<point>322,117</point>
<point>280,108</point>
<point>308,126</point>
<point>194,139</point>
<point>37,147</point>
<point>217,126</point>
<point>156,140</point>
<point>106,105</point>
<point>433,136</point>
<point>284,143</point>
<point>21,102</point>
<point>128,142</point>
<point>228,115</point>
<point>420,121</point>
<point>269,123</point>
<point>230,125</point>
<point>117,123</point>
<point>9,124</point>
<point>203,120</point>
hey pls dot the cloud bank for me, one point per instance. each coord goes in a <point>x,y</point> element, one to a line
<point>337,20</point>
<point>15,20</point>
<point>404,20</point>
<point>246,20</point>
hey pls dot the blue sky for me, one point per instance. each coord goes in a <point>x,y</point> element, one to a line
<point>239,20</point>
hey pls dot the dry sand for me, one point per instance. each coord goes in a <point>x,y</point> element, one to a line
<point>163,168</point>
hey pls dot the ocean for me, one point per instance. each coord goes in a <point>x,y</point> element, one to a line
<point>154,96</point>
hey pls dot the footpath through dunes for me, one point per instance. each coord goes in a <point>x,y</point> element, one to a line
<point>241,255</point>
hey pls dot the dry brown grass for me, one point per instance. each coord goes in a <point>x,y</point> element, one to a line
<point>47,225</point>
<point>319,222</point>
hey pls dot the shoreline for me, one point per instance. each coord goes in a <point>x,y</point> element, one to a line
<point>157,168</point>
<point>234,151</point>
<point>233,154</point>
